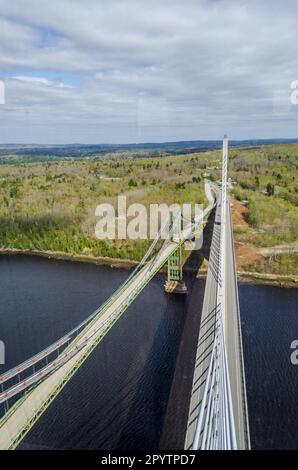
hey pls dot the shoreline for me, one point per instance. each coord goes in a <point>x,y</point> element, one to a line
<point>244,277</point>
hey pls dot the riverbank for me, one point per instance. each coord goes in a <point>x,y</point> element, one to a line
<point>60,255</point>
<point>243,276</point>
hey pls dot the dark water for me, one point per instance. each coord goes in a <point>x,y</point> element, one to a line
<point>269,325</point>
<point>119,397</point>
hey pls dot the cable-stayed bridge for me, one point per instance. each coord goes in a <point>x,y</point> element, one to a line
<point>218,414</point>
<point>218,417</point>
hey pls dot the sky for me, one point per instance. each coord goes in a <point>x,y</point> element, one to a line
<point>124,71</point>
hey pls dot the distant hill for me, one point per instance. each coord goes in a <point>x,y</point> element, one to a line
<point>150,149</point>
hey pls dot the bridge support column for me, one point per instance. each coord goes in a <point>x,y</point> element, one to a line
<point>175,283</point>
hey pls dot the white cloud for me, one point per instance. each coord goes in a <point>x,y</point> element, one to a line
<point>119,71</point>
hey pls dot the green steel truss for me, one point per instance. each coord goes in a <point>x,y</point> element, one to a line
<point>175,265</point>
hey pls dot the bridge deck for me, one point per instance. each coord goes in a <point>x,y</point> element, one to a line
<point>233,338</point>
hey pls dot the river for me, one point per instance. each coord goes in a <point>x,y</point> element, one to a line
<point>122,397</point>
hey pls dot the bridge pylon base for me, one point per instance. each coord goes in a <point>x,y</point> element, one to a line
<point>175,287</point>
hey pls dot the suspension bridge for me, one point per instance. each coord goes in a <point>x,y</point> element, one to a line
<point>218,410</point>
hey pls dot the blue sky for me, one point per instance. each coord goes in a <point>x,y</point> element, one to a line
<point>123,71</point>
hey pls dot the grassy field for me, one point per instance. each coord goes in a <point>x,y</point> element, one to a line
<point>50,204</point>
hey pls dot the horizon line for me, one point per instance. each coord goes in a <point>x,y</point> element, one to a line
<point>251,139</point>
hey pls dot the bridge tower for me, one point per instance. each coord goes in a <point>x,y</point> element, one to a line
<point>175,283</point>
